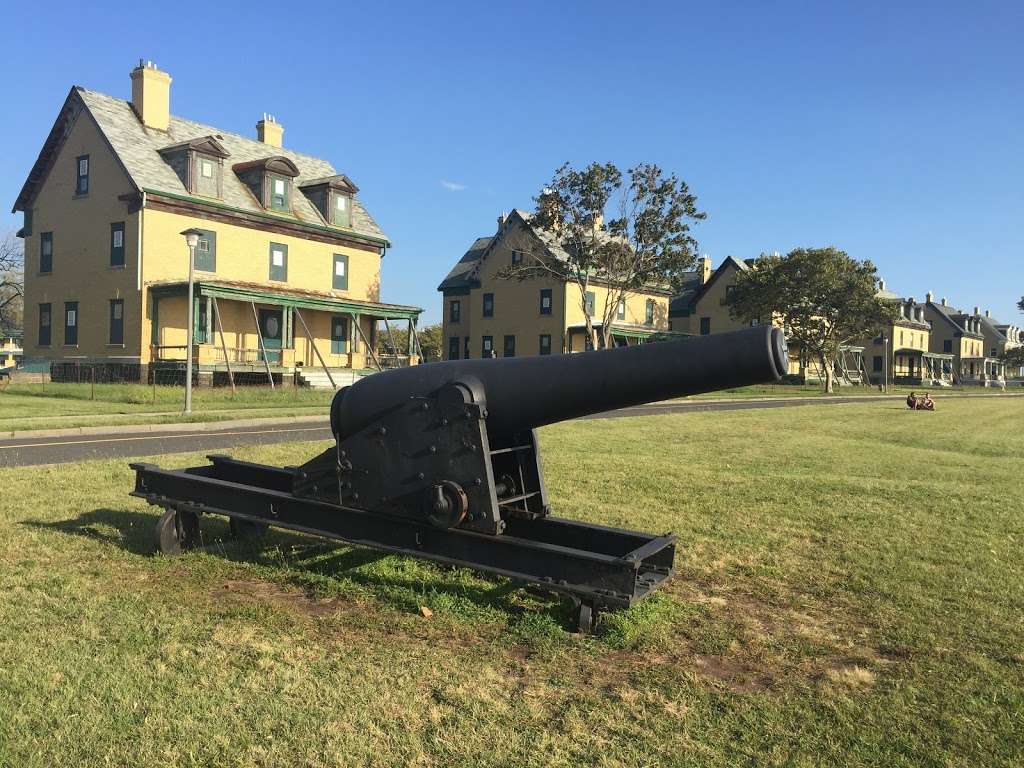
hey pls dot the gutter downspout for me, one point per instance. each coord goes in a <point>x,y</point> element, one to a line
<point>138,265</point>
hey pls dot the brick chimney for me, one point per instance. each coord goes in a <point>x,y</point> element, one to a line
<point>704,268</point>
<point>151,95</point>
<point>269,131</point>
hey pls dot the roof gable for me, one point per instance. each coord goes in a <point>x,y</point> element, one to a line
<point>138,150</point>
<point>731,263</point>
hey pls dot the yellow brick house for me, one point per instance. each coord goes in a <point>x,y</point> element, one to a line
<point>959,335</point>
<point>701,307</point>
<point>486,314</point>
<point>287,263</point>
<point>907,343</point>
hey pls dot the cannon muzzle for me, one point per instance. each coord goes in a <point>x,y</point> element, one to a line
<point>528,392</point>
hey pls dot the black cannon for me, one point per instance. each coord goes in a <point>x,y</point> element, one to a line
<point>441,461</point>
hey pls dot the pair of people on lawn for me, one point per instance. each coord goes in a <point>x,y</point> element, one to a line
<point>924,403</point>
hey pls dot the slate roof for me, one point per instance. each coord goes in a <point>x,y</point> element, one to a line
<point>951,315</point>
<point>460,275</point>
<point>137,147</point>
<point>463,274</point>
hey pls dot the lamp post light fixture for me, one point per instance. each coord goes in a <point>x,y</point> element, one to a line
<point>191,239</point>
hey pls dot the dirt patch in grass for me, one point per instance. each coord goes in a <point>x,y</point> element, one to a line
<point>248,592</point>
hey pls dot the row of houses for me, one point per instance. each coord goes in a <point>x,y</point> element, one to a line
<point>287,267</point>
<point>487,314</point>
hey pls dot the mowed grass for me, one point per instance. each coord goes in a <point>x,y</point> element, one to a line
<point>849,591</point>
<point>46,406</point>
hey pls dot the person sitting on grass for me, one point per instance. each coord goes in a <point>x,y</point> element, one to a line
<point>912,401</point>
<point>927,404</point>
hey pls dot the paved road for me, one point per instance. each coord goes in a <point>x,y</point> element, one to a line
<point>71,448</point>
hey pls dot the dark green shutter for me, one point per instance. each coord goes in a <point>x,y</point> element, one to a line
<point>117,251</point>
<point>116,335</point>
<point>279,272</point>
<point>340,282</point>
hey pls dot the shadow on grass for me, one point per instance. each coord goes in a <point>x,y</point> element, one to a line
<point>321,568</point>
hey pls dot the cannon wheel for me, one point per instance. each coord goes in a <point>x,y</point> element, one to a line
<point>246,529</point>
<point>177,531</point>
<point>585,616</point>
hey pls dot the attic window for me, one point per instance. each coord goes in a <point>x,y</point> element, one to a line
<point>82,177</point>
<point>342,209</point>
<point>278,193</point>
<point>269,180</point>
<point>206,169</point>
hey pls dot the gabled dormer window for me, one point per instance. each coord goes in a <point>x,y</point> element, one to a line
<point>332,196</point>
<point>270,181</point>
<point>198,164</point>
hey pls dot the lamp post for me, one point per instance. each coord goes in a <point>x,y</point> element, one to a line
<point>192,239</point>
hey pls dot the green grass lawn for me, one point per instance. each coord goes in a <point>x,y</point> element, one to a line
<point>52,406</point>
<point>45,406</point>
<point>849,591</point>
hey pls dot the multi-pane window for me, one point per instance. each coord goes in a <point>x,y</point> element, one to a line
<point>453,347</point>
<point>82,175</point>
<point>339,335</point>
<point>278,193</point>
<point>517,257</point>
<point>510,346</point>
<point>342,211</point>
<point>44,325</point>
<point>454,311</point>
<point>278,262</point>
<point>116,335</point>
<point>488,305</point>
<point>46,251</point>
<point>545,301</point>
<point>206,169</point>
<point>465,347</point>
<point>206,251</point>
<point>487,346</point>
<point>340,275</point>
<point>620,313</point>
<point>70,323</point>
<point>545,344</point>
<point>117,244</point>
<point>588,303</point>
<point>705,326</point>
<point>649,312</point>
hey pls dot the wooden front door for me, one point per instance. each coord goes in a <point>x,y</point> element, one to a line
<point>271,328</point>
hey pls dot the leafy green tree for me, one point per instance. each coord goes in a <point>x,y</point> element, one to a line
<point>822,297</point>
<point>429,337</point>
<point>646,241</point>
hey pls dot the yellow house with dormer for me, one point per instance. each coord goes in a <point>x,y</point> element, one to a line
<point>287,261</point>
<point>487,314</point>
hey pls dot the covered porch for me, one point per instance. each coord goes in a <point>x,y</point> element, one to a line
<point>936,368</point>
<point>270,334</point>
<point>984,371</point>
<point>623,335</point>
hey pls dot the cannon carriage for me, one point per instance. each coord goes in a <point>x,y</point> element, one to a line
<point>441,461</point>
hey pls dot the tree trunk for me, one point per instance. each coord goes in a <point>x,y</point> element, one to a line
<point>826,367</point>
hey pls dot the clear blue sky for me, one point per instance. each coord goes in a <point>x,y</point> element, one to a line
<point>892,130</point>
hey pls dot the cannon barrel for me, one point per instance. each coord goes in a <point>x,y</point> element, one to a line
<point>527,392</point>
